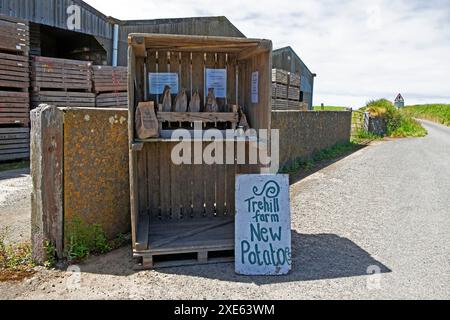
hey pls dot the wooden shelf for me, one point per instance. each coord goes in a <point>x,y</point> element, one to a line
<point>203,117</point>
<point>166,136</point>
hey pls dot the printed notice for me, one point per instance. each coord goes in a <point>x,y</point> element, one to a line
<point>263,225</point>
<point>158,81</point>
<point>217,79</point>
<point>255,87</point>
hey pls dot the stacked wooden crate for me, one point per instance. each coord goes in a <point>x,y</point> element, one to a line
<point>14,84</point>
<point>294,102</point>
<point>14,143</point>
<point>286,91</point>
<point>61,82</point>
<point>110,86</point>
<point>280,80</point>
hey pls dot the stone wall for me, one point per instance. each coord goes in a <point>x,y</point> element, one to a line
<point>304,132</point>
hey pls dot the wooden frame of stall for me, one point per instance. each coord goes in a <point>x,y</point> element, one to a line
<point>184,214</point>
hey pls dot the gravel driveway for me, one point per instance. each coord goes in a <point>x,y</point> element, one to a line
<point>384,210</point>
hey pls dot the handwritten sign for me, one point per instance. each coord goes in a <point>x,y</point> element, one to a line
<point>263,225</point>
<point>255,87</point>
<point>217,79</point>
<point>157,82</point>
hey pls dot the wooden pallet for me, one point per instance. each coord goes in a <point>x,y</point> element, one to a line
<point>294,80</point>
<point>63,99</point>
<point>279,91</point>
<point>14,35</point>
<point>184,242</point>
<point>293,93</point>
<point>14,143</point>
<point>109,79</point>
<point>280,76</point>
<point>60,74</point>
<point>279,104</point>
<point>14,72</point>
<point>14,108</point>
<point>215,118</point>
<point>112,100</point>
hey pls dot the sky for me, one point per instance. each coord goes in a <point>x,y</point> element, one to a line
<point>360,50</point>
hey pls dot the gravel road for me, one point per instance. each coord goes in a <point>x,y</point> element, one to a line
<point>383,210</point>
<point>15,193</point>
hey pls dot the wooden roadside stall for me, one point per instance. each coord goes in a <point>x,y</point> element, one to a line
<point>184,214</point>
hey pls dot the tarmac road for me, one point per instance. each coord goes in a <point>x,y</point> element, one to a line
<point>375,225</point>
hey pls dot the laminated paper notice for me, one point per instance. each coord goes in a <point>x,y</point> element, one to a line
<point>217,79</point>
<point>255,85</point>
<point>158,81</point>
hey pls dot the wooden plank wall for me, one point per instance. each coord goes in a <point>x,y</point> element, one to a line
<point>178,192</point>
<point>14,143</point>
<point>165,191</point>
<point>191,72</point>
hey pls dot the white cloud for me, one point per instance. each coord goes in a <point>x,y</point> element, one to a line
<point>359,49</point>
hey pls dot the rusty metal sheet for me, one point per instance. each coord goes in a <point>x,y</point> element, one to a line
<point>96,180</point>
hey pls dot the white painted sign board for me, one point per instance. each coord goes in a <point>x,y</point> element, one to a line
<point>158,81</point>
<point>255,87</point>
<point>217,79</point>
<point>263,225</point>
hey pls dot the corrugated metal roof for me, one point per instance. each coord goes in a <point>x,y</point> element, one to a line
<point>54,13</point>
<point>290,50</point>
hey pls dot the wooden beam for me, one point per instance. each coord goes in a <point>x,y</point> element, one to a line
<point>198,117</point>
<point>47,173</point>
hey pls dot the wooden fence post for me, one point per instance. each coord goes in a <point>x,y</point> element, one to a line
<point>47,176</point>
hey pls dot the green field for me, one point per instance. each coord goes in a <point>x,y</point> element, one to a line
<point>439,113</point>
<point>329,108</point>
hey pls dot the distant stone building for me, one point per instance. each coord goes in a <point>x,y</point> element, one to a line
<point>399,101</point>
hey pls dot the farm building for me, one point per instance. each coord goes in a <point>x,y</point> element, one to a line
<point>57,37</point>
<point>55,33</point>
<point>94,38</point>
<point>286,59</point>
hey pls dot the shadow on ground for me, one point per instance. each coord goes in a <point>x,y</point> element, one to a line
<point>316,257</point>
<point>15,173</point>
<point>304,173</point>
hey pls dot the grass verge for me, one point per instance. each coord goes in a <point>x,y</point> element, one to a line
<point>364,137</point>
<point>398,124</point>
<point>439,113</point>
<point>320,156</point>
<point>329,108</point>
<point>16,262</point>
<point>83,240</point>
